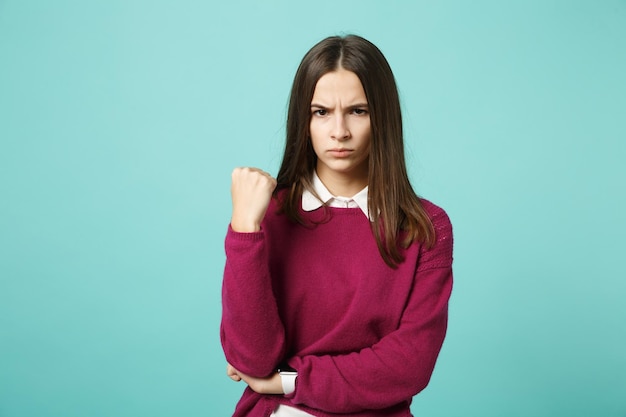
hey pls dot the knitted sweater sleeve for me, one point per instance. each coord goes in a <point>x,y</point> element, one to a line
<point>400,365</point>
<point>251,332</point>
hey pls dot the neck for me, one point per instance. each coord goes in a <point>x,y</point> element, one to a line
<point>342,184</point>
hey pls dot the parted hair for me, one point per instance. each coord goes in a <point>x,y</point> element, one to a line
<point>398,217</point>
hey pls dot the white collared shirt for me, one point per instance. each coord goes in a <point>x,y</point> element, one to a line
<point>310,202</point>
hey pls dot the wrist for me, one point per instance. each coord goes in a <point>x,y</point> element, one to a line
<point>244,226</point>
<point>288,377</point>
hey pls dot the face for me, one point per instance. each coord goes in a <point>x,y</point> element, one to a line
<point>340,129</point>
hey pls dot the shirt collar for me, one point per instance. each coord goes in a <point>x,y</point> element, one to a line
<point>310,202</point>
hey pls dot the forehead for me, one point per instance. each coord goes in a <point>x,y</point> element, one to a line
<point>341,84</point>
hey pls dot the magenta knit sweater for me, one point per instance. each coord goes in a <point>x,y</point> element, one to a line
<point>363,337</point>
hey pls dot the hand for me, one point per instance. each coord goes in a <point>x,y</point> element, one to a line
<point>269,385</point>
<point>251,192</point>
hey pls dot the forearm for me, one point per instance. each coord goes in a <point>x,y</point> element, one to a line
<point>388,373</point>
<point>362,380</point>
<point>252,333</point>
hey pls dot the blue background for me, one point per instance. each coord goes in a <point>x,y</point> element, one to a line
<point>120,122</point>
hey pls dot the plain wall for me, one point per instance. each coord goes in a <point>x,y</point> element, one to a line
<point>120,122</point>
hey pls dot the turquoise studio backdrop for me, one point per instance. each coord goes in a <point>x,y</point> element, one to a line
<point>120,123</point>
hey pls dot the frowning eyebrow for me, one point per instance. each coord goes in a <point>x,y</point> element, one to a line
<point>352,106</point>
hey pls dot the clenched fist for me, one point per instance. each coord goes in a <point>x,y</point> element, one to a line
<point>251,191</point>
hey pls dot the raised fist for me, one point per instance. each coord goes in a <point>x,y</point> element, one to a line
<point>251,192</point>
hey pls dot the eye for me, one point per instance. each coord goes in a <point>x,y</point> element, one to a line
<point>320,112</point>
<point>359,111</point>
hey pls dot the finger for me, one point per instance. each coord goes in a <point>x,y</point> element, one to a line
<point>250,170</point>
<point>230,370</point>
<point>232,373</point>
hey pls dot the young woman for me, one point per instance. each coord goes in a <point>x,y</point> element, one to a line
<point>337,276</point>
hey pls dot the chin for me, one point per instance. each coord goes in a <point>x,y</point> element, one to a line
<point>344,167</point>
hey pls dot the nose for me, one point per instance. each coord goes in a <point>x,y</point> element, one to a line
<point>340,129</point>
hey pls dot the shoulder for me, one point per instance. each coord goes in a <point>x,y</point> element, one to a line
<point>440,254</point>
<point>439,218</point>
<point>275,215</point>
<point>277,201</point>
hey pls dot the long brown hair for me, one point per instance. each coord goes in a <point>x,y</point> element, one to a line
<point>393,205</point>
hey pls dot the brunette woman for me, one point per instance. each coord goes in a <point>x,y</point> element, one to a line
<point>337,276</point>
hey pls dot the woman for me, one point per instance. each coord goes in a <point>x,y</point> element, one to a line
<point>337,277</point>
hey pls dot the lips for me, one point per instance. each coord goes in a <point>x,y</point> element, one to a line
<point>340,152</point>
